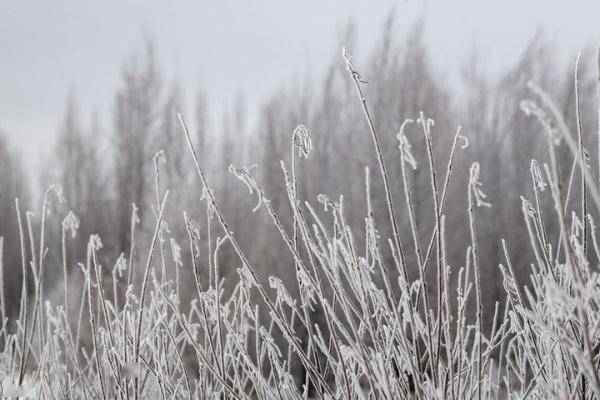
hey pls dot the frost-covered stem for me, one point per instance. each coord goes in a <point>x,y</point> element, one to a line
<point>563,130</point>
<point>205,319</point>
<point>582,159</point>
<point>501,357</point>
<point>561,208</point>
<point>94,328</point>
<point>585,324</point>
<point>80,317</point>
<point>371,219</point>
<point>40,275</point>
<point>107,319</point>
<point>448,330</point>
<point>209,239</point>
<point>436,210</point>
<point>24,295</point>
<point>463,293</point>
<point>475,255</point>
<point>388,194</point>
<point>293,314</point>
<point>294,191</point>
<point>555,182</point>
<point>246,264</point>
<point>361,296</point>
<point>334,341</point>
<point>301,265</point>
<point>134,219</point>
<point>539,218</point>
<point>375,138</point>
<point>157,159</point>
<point>415,235</point>
<point>180,359</point>
<point>192,339</point>
<point>115,282</point>
<point>130,277</point>
<point>143,290</point>
<point>556,196</point>
<point>295,202</point>
<point>520,304</point>
<point>292,195</point>
<point>432,241</point>
<point>65,273</point>
<point>221,350</point>
<point>413,222</point>
<point>177,282</point>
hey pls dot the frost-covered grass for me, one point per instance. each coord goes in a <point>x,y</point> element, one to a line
<point>360,327</point>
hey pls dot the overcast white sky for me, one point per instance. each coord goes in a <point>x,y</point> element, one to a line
<point>48,48</point>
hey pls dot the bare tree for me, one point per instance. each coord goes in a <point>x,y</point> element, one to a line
<point>136,117</point>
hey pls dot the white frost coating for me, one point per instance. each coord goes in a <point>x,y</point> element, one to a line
<point>243,174</point>
<point>193,229</point>
<point>475,185</point>
<point>302,141</point>
<point>465,141</point>
<point>405,146</point>
<point>176,252</point>
<point>537,176</point>
<point>95,242</point>
<point>120,266</point>
<point>71,223</point>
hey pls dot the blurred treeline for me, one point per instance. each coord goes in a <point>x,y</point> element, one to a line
<point>105,165</point>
